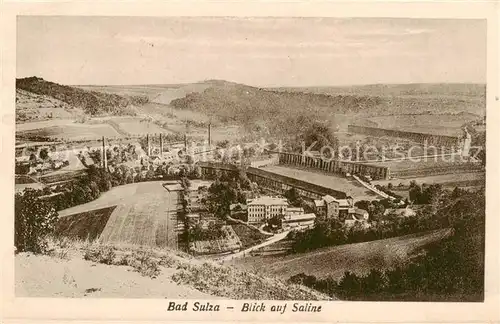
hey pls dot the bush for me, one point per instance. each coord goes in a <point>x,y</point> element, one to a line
<point>35,219</point>
<point>144,263</point>
<point>100,254</point>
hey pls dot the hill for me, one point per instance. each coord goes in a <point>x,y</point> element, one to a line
<point>358,258</point>
<point>472,90</point>
<point>34,107</point>
<point>91,102</point>
<point>284,111</point>
<point>80,270</point>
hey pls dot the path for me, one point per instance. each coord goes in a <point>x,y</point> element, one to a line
<point>375,190</point>
<point>272,240</point>
<point>249,225</point>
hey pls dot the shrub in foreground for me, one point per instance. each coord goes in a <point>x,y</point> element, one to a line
<point>35,220</point>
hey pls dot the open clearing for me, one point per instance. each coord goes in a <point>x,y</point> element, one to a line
<point>144,215</point>
<point>457,179</point>
<point>334,261</point>
<point>447,161</point>
<point>159,93</point>
<point>72,131</point>
<point>350,187</point>
<point>445,124</point>
<point>84,226</point>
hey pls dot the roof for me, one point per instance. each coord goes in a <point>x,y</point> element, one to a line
<point>359,213</point>
<point>34,185</point>
<point>297,218</point>
<point>233,206</point>
<point>343,202</point>
<point>319,203</point>
<point>266,200</point>
<point>329,199</point>
<point>195,185</point>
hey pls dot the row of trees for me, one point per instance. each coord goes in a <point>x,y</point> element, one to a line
<point>98,180</point>
<point>450,270</point>
<point>334,232</point>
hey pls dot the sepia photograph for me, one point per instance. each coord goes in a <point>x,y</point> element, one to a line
<point>302,159</point>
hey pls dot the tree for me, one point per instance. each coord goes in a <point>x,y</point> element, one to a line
<point>350,284</point>
<point>378,210</point>
<point>374,282</point>
<point>321,134</point>
<point>275,221</point>
<point>223,144</point>
<point>415,192</point>
<point>220,196</point>
<point>95,192</point>
<point>44,154</point>
<point>35,219</point>
<point>32,159</point>
<point>294,198</point>
<point>363,204</point>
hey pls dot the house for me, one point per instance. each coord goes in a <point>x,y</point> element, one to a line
<point>357,216</point>
<point>237,207</point>
<point>290,211</point>
<point>330,207</point>
<point>238,211</point>
<point>265,207</point>
<point>302,220</point>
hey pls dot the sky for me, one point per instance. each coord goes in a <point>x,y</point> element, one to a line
<point>259,51</point>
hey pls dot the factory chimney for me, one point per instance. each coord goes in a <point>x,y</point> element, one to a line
<point>161,145</point>
<point>185,142</point>
<point>148,146</point>
<point>104,157</point>
<point>209,134</point>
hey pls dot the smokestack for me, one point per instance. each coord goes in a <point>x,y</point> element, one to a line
<point>148,147</point>
<point>104,157</point>
<point>185,141</point>
<point>209,134</point>
<point>161,145</point>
